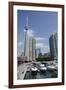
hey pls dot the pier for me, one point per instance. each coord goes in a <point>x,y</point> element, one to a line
<point>22,69</point>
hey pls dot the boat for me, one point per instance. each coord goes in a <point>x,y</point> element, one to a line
<point>42,68</point>
<point>34,70</point>
<point>51,68</point>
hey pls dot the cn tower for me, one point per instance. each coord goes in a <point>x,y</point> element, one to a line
<point>26,41</point>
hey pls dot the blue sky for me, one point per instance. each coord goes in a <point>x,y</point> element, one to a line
<point>42,25</point>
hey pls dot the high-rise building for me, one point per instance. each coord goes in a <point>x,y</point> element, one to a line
<point>26,41</point>
<point>56,44</point>
<point>53,43</point>
<point>29,44</point>
<point>33,49</point>
<point>30,49</point>
<point>38,51</point>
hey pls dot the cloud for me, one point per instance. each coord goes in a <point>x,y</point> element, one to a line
<point>20,47</point>
<point>19,43</point>
<point>39,45</point>
<point>44,47</point>
<point>42,44</point>
<point>31,33</point>
<point>39,38</point>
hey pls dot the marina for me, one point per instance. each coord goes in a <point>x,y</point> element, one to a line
<point>37,71</point>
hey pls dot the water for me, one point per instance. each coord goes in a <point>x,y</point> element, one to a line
<point>41,75</point>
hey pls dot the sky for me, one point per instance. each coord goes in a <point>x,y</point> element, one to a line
<point>42,25</point>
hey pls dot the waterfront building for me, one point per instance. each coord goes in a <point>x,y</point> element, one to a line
<point>38,51</point>
<point>26,41</point>
<point>56,44</point>
<point>30,49</point>
<point>33,49</point>
<point>29,44</point>
<point>47,54</point>
<point>53,43</point>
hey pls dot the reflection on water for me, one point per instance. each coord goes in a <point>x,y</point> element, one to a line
<point>41,75</point>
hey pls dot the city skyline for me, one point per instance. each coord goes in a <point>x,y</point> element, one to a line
<point>41,23</point>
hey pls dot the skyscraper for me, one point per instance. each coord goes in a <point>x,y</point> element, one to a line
<point>53,43</point>
<point>33,49</point>
<point>30,48</point>
<point>56,44</point>
<point>29,44</point>
<point>26,41</point>
<point>38,51</point>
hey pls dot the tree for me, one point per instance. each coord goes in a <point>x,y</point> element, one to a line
<point>42,58</point>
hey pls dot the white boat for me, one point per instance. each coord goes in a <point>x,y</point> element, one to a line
<point>51,68</point>
<point>42,67</point>
<point>34,70</point>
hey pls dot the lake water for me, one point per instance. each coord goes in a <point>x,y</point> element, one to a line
<point>41,75</point>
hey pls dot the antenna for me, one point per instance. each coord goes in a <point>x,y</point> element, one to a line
<point>27,21</point>
<point>27,26</point>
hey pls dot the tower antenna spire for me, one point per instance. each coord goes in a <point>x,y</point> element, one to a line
<point>27,21</point>
<point>27,26</point>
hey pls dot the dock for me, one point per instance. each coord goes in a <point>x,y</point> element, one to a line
<point>21,70</point>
